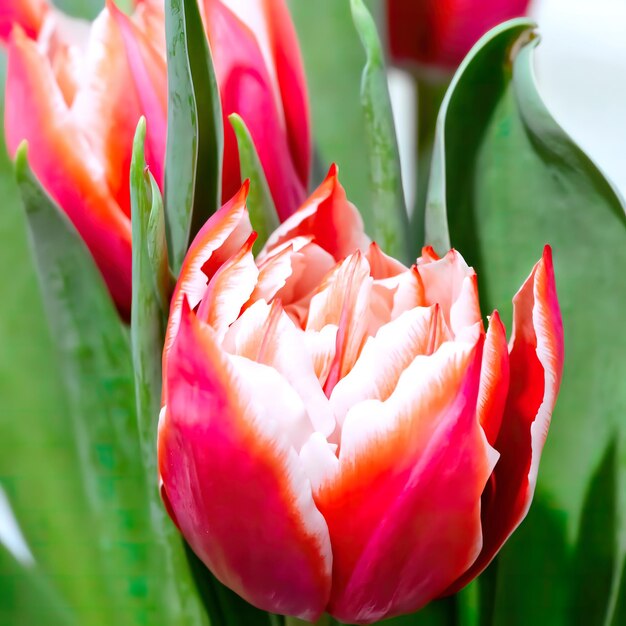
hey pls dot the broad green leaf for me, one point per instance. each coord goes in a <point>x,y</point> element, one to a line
<point>512,180</point>
<point>596,557</point>
<point>26,596</point>
<point>333,75</point>
<point>193,160</point>
<point>260,205</point>
<point>388,217</point>
<point>181,604</point>
<point>37,458</point>
<point>95,364</point>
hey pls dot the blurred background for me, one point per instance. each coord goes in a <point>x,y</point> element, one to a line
<point>581,69</point>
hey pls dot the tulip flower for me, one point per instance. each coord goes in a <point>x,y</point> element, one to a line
<point>76,91</point>
<point>261,77</point>
<point>339,432</point>
<point>439,33</point>
<point>72,93</point>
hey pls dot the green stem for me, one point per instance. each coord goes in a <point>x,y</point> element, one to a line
<point>468,604</point>
<point>429,95</point>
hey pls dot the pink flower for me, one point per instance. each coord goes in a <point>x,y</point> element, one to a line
<point>260,75</point>
<point>72,93</point>
<point>339,432</point>
<point>439,33</point>
<point>76,91</point>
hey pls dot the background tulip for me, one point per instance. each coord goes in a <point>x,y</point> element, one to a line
<point>72,94</point>
<point>339,433</point>
<point>77,90</point>
<point>260,75</point>
<point>439,33</point>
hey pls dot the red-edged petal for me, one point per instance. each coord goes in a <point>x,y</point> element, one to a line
<point>107,106</point>
<point>229,289</point>
<point>246,88</point>
<point>235,485</point>
<point>441,32</point>
<point>62,160</point>
<point>343,300</point>
<point>149,73</point>
<point>28,14</point>
<point>536,363</point>
<point>385,357</point>
<point>494,379</point>
<point>292,83</point>
<point>264,333</point>
<point>218,240</point>
<point>450,283</point>
<point>403,505</point>
<point>328,217</point>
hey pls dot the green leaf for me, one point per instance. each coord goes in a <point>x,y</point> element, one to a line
<point>597,553</point>
<point>181,603</point>
<point>26,596</point>
<point>87,9</point>
<point>260,205</point>
<point>193,160</point>
<point>512,180</point>
<point>389,218</point>
<point>157,249</point>
<point>95,364</point>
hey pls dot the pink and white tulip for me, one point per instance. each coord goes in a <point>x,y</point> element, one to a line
<point>76,90</point>
<point>339,432</point>
<point>73,95</point>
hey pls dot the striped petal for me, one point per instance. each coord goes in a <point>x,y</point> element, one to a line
<point>149,73</point>
<point>235,484</point>
<point>343,301</point>
<point>64,162</point>
<point>107,106</point>
<point>403,503</point>
<point>328,217</point>
<point>536,363</point>
<point>217,241</point>
<point>450,283</point>
<point>384,358</point>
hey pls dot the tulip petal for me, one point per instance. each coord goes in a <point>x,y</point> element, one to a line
<point>265,334</point>
<point>450,283</point>
<point>334,223</point>
<point>246,88</point>
<point>149,73</point>
<point>64,163</point>
<point>381,265</point>
<point>275,34</point>
<point>218,240</point>
<point>28,14</point>
<point>343,301</point>
<point>292,83</point>
<point>403,508</point>
<point>234,483</point>
<point>384,358</point>
<point>441,32</point>
<point>494,379</point>
<point>107,106</point>
<point>536,362</point>
<point>229,290</point>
